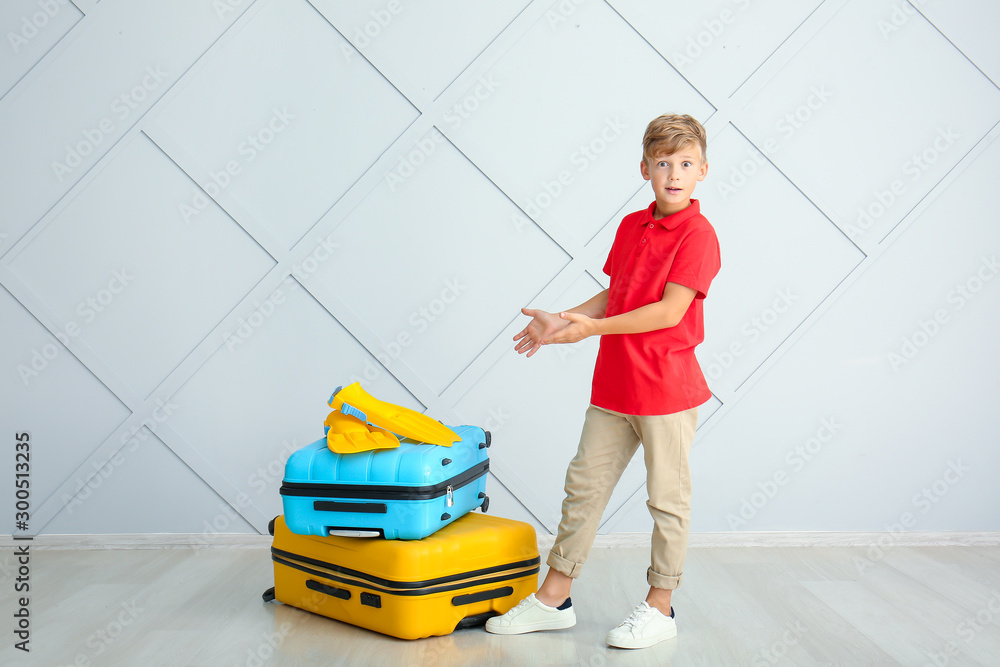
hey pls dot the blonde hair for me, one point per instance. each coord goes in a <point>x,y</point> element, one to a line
<point>667,134</point>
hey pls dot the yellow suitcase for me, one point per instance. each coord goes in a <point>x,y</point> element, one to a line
<point>476,567</point>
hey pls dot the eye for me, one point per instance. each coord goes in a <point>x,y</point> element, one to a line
<point>661,164</point>
<point>687,164</point>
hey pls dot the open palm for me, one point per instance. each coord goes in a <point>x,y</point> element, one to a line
<point>541,327</point>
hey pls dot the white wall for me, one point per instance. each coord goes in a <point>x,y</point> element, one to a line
<point>213,213</point>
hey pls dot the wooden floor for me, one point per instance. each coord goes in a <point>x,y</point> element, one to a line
<point>737,606</point>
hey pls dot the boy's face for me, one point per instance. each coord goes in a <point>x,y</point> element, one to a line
<point>674,176</point>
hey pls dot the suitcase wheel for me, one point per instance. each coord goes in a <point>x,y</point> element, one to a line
<point>270,526</point>
<point>486,503</point>
<point>268,595</point>
<point>473,621</point>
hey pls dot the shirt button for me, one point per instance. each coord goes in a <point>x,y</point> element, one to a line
<point>644,240</point>
<point>650,225</point>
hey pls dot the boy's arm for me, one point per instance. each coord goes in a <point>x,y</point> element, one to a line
<point>665,313</point>
<point>544,324</point>
<point>594,307</point>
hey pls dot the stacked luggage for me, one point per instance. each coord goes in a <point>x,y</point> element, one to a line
<point>377,528</point>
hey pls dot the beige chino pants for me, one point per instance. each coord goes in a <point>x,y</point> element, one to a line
<point>607,444</point>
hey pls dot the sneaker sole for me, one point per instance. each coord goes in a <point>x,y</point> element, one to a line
<point>526,628</point>
<point>639,643</point>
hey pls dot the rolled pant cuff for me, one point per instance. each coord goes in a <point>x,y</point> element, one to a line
<point>563,566</point>
<point>657,580</point>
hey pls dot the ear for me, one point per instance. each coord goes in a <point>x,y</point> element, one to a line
<point>703,172</point>
<point>644,169</point>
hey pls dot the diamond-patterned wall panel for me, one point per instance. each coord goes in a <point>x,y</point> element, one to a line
<point>716,45</point>
<point>46,391</point>
<point>88,91</point>
<point>227,209</point>
<point>843,403</point>
<point>146,285</point>
<point>569,170</point>
<point>32,28</point>
<point>968,24</point>
<point>504,503</point>
<point>887,131</point>
<point>437,260</point>
<point>146,488</point>
<point>418,46</point>
<point>283,131</point>
<point>794,257</point>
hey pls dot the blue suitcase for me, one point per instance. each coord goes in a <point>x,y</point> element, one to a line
<point>405,493</point>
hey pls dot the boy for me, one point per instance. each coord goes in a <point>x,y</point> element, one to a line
<point>646,388</point>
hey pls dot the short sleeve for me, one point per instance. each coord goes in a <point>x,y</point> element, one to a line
<point>697,262</point>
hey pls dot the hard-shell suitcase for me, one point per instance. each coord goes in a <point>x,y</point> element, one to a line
<point>403,493</point>
<point>477,567</point>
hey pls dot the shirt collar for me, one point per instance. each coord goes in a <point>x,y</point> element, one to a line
<point>673,220</point>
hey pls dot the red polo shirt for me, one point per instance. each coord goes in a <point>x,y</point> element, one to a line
<point>656,373</point>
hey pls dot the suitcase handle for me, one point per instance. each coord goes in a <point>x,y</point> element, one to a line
<point>360,508</point>
<point>354,532</point>
<point>470,598</point>
<point>340,593</point>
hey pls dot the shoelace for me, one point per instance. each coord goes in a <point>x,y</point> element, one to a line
<point>521,605</point>
<point>638,615</point>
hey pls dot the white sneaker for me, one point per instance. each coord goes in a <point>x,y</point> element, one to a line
<point>644,627</point>
<point>530,615</point>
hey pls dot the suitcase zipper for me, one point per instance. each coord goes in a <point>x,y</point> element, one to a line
<point>407,588</point>
<point>386,492</point>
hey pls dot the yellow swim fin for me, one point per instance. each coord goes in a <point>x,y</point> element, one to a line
<point>355,401</point>
<point>346,435</point>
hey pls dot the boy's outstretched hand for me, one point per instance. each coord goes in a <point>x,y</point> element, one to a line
<point>565,327</point>
<point>576,327</point>
<point>540,329</point>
